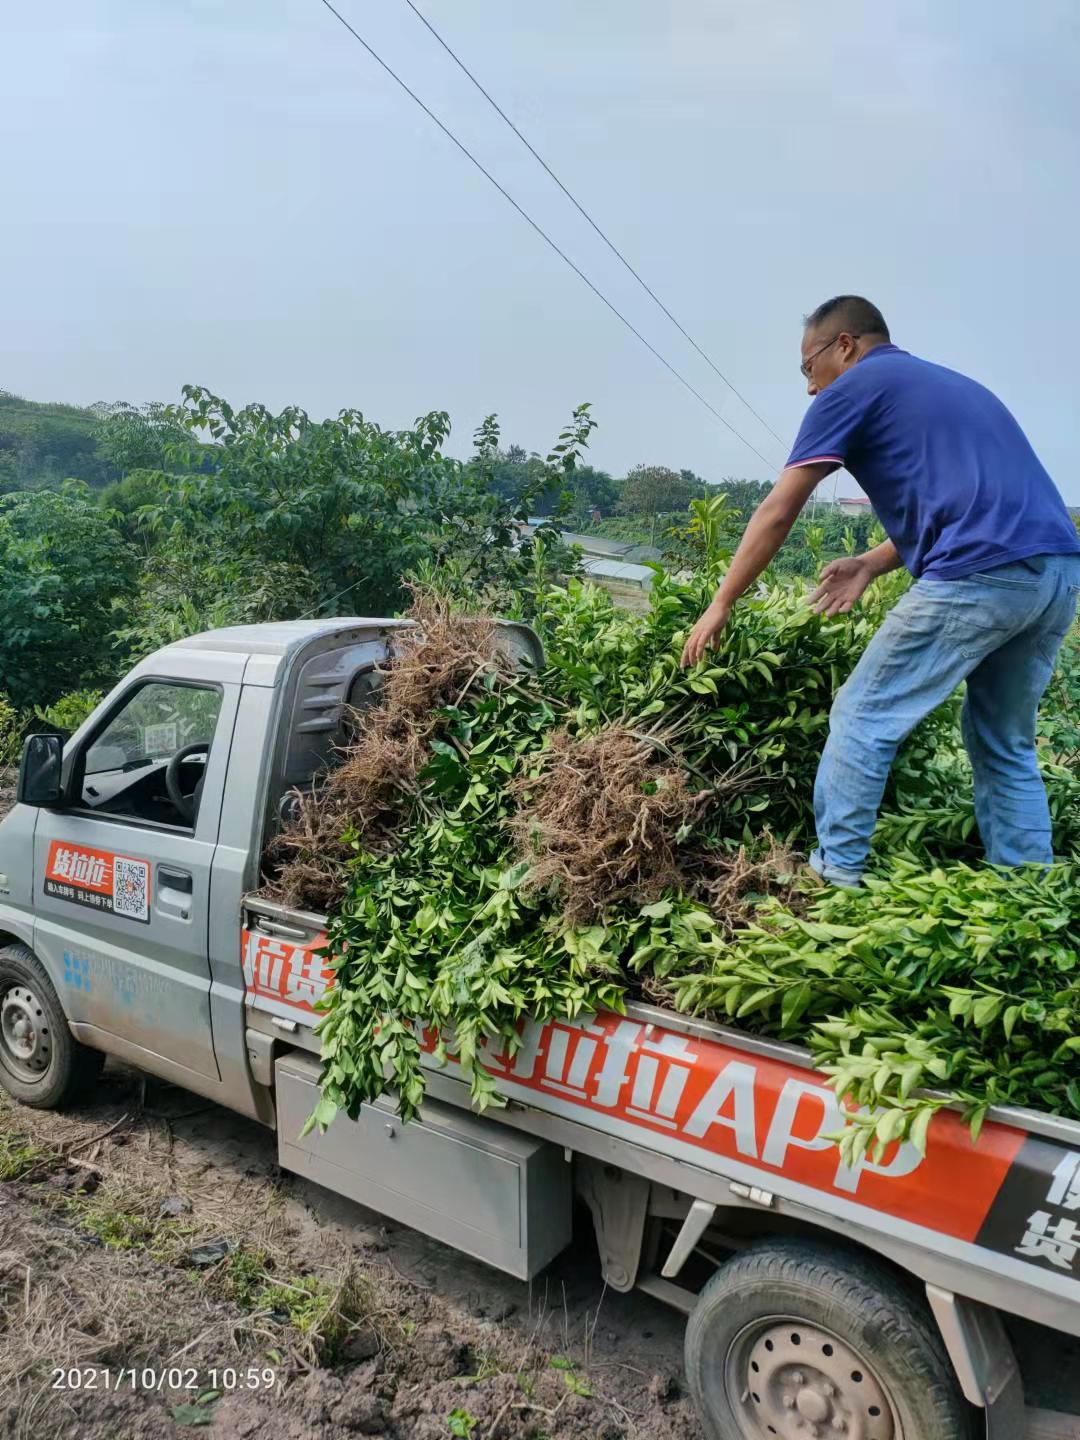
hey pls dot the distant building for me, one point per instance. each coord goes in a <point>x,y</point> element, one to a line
<point>854,506</point>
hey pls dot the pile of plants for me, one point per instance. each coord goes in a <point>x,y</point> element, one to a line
<point>543,845</point>
<point>957,979</point>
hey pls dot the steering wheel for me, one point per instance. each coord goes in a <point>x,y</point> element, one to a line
<point>184,803</point>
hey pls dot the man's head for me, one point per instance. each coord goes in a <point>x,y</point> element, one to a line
<point>836,335</point>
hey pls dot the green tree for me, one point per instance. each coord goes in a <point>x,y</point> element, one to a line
<point>494,561</point>
<point>65,571</point>
<point>698,485</point>
<point>513,473</point>
<point>596,487</point>
<point>654,490</point>
<point>351,507</point>
<point>589,489</point>
<point>139,437</point>
<point>185,590</point>
<point>129,500</point>
<point>744,496</point>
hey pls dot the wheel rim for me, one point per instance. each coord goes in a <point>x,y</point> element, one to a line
<point>25,1041</point>
<point>787,1380</point>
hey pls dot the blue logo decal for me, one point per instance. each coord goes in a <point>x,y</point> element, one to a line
<point>77,971</point>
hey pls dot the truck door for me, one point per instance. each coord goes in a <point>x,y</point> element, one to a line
<point>122,876</point>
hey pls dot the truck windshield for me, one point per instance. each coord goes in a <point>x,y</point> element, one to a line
<point>157,721</point>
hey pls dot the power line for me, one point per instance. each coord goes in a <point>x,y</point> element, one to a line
<point>582,211</point>
<point>543,234</point>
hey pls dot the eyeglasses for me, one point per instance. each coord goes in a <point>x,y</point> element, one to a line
<point>807,365</point>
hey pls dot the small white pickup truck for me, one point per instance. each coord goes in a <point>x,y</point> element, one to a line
<point>876,1303</point>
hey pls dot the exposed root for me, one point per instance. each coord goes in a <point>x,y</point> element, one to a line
<point>733,883</point>
<point>366,796</point>
<point>600,820</point>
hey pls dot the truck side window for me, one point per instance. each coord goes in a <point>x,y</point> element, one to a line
<point>149,761</point>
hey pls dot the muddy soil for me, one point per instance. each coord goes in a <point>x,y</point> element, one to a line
<point>146,1233</point>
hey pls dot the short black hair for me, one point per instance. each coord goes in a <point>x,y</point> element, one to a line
<point>849,313</point>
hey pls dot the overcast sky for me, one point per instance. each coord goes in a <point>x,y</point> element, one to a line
<point>235,194</point>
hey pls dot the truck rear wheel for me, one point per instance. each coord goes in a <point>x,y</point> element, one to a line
<point>41,1062</point>
<point>794,1339</point>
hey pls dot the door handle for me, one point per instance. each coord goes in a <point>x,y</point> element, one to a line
<point>174,892</point>
<point>283,932</point>
<point>175,879</point>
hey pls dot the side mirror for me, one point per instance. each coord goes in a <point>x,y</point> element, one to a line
<point>40,780</point>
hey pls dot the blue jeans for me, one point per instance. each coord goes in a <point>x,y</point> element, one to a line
<point>1000,631</point>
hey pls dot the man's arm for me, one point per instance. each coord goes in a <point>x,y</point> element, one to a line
<point>769,527</point>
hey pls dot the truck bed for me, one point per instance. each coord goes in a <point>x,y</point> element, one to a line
<point>736,1120</point>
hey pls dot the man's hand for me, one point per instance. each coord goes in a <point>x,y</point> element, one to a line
<point>842,583</point>
<point>705,633</point>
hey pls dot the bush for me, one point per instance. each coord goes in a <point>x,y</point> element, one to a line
<point>12,726</point>
<point>187,589</point>
<point>68,713</point>
<point>64,570</point>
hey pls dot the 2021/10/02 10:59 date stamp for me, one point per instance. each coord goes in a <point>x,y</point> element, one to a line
<point>168,1380</point>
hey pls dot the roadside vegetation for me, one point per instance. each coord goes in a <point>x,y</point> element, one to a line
<point>125,527</point>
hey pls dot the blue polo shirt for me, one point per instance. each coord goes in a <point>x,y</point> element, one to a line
<point>950,474</point>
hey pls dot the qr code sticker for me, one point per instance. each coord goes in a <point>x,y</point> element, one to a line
<point>129,888</point>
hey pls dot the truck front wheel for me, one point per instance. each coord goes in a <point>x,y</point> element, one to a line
<point>41,1062</point>
<point>794,1339</point>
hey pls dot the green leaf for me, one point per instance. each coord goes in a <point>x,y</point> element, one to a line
<point>986,1010</point>
<point>920,1128</point>
<point>510,879</point>
<point>321,1116</point>
<point>794,1004</point>
<point>756,1000</point>
<point>188,1414</point>
<point>658,910</point>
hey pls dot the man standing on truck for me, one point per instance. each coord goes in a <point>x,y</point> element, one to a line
<point>972,514</point>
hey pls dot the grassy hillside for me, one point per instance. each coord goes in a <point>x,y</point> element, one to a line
<point>42,443</point>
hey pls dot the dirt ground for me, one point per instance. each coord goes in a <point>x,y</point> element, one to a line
<point>158,1274</point>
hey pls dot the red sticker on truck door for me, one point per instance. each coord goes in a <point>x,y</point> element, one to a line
<point>100,879</point>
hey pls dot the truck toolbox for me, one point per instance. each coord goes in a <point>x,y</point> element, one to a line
<point>494,1193</point>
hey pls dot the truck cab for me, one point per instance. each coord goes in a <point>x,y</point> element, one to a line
<point>127,886</point>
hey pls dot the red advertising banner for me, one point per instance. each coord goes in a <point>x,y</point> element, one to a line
<point>703,1097</point>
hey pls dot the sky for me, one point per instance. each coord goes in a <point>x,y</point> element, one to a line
<point>236,195</point>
